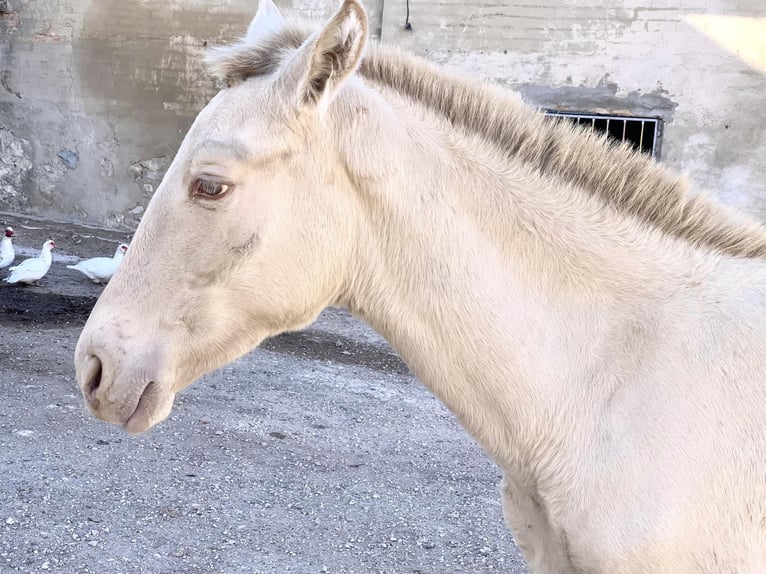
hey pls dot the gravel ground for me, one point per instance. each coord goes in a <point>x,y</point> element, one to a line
<point>318,452</point>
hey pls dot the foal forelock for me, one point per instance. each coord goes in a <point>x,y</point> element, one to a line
<point>627,181</point>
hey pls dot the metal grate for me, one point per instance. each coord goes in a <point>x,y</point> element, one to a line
<point>644,134</point>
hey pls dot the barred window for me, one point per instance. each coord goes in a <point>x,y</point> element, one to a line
<point>642,133</point>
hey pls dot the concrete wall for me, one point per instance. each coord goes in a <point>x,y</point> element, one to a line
<point>95,95</point>
<point>698,64</point>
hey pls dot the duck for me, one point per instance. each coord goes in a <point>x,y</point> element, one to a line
<point>7,253</point>
<point>101,269</point>
<point>32,270</point>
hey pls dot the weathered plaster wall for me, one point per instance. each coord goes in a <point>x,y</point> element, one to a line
<point>699,64</point>
<point>95,95</point>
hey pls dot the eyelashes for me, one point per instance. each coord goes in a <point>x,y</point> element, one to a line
<point>209,188</point>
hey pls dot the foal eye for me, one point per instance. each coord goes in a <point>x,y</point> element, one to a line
<point>210,188</point>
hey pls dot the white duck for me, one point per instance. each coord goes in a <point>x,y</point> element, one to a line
<point>7,254</point>
<point>101,269</point>
<point>32,270</point>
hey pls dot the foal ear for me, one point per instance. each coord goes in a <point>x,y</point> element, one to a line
<point>267,20</point>
<point>335,54</point>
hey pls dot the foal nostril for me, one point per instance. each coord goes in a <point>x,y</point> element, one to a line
<point>92,380</point>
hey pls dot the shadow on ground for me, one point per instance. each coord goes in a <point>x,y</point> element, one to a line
<point>37,306</point>
<point>29,305</point>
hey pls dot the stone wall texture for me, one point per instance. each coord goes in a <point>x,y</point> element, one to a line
<point>96,95</point>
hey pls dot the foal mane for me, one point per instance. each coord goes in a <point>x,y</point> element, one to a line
<point>624,179</point>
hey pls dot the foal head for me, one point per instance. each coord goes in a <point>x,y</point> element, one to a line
<point>250,233</point>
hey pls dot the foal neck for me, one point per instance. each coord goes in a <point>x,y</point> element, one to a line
<point>496,286</point>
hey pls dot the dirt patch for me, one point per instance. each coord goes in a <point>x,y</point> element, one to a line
<point>26,305</point>
<point>318,345</point>
<point>275,463</point>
